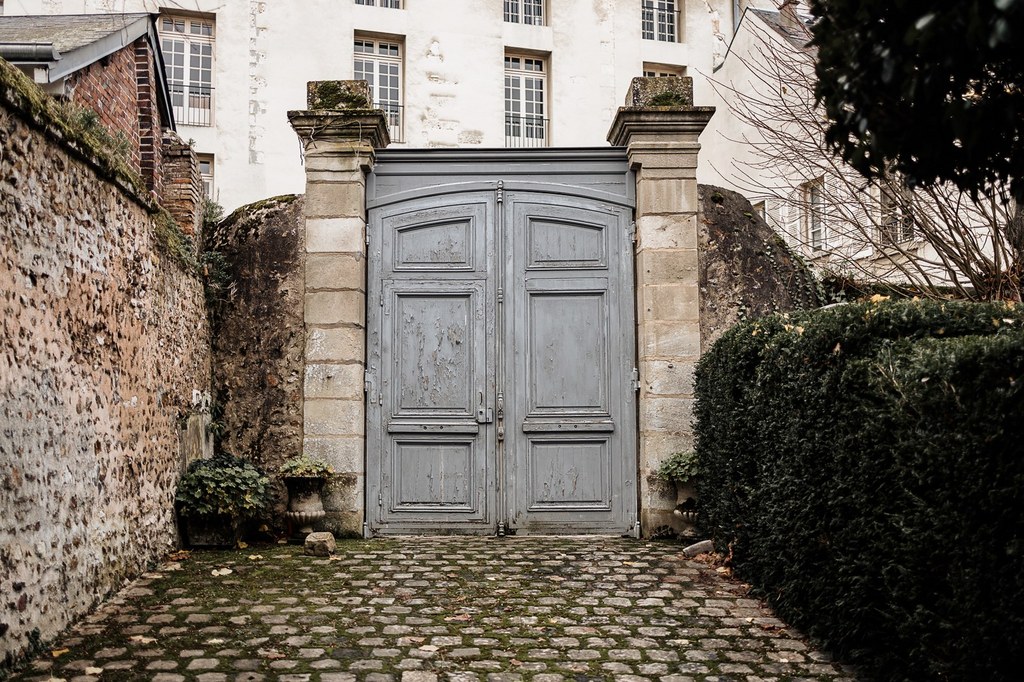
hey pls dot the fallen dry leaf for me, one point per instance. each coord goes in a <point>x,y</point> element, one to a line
<point>142,639</point>
<point>180,555</point>
<point>56,653</point>
<point>270,653</point>
<point>215,640</point>
<point>218,572</point>
<point>255,557</point>
<point>242,545</point>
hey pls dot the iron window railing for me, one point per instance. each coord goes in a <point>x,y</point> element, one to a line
<point>659,20</point>
<point>526,131</point>
<point>192,104</point>
<point>393,114</point>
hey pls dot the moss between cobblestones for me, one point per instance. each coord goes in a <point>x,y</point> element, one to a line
<point>517,606</point>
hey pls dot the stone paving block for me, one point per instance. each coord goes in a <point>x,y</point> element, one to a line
<point>445,609</point>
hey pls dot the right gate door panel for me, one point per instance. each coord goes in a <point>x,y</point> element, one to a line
<point>569,352</point>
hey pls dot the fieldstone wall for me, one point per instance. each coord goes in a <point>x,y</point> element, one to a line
<point>745,269</point>
<point>104,346</point>
<point>258,333</point>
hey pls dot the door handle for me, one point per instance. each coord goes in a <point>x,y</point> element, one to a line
<point>501,416</point>
<point>484,415</point>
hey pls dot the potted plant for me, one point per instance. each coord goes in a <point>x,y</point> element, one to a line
<point>216,495</point>
<point>680,469</point>
<point>304,477</point>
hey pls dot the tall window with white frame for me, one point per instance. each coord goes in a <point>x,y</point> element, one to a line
<point>659,20</point>
<point>187,44</point>
<point>897,218</point>
<point>814,199</point>
<point>379,63</point>
<point>525,12</point>
<point>525,95</point>
<point>391,4</point>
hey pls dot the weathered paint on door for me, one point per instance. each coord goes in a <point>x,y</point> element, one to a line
<point>500,354</point>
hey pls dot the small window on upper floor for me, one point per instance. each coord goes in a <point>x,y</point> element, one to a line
<point>663,70</point>
<point>206,174</point>
<point>390,4</point>
<point>813,196</point>
<point>525,12</point>
<point>897,215</point>
<point>659,20</point>
<point>187,45</point>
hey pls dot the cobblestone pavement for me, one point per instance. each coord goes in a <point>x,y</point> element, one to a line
<point>422,609</point>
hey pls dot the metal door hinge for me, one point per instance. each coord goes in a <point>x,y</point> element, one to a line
<point>634,379</point>
<point>380,500</point>
<point>631,230</point>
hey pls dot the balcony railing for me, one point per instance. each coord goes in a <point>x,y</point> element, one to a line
<point>660,24</point>
<point>393,115</point>
<point>526,131</point>
<point>192,104</point>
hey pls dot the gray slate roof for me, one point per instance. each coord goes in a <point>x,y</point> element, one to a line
<point>78,39</point>
<point>797,36</point>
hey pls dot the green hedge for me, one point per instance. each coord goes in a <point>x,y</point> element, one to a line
<point>864,464</point>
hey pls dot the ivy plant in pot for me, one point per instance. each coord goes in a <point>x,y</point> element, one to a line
<point>304,477</point>
<point>680,469</point>
<point>216,495</point>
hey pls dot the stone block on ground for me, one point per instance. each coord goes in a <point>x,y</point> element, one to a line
<point>320,544</point>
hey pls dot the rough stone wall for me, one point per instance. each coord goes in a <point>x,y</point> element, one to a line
<point>258,333</point>
<point>745,268</point>
<point>103,340</point>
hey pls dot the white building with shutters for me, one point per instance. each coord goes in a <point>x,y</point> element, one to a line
<point>448,73</point>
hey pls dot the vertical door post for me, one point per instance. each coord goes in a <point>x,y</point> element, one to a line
<point>661,143</point>
<point>339,133</point>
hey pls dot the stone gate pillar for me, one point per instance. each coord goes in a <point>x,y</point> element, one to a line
<point>659,127</point>
<point>339,133</point>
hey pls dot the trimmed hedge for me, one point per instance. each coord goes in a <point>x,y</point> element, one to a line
<point>864,465</point>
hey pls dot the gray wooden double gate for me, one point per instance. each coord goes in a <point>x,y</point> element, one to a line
<point>500,361</point>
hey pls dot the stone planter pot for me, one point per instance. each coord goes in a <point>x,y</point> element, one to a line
<point>305,503</point>
<point>686,507</point>
<point>221,531</point>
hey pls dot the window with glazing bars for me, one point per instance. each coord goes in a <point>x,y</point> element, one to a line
<point>525,12</point>
<point>525,84</point>
<point>187,45</point>
<point>815,199</point>
<point>392,4</point>
<point>379,63</point>
<point>659,20</point>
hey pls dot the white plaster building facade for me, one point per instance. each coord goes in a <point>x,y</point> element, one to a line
<point>451,73</point>
<point>767,142</point>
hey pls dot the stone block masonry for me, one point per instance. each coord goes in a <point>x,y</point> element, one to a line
<point>339,136</point>
<point>103,340</point>
<point>662,145</point>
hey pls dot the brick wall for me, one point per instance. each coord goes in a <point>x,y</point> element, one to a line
<point>181,185</point>
<point>121,88</point>
<point>103,339</point>
<point>150,125</point>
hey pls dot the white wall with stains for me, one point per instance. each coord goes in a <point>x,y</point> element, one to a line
<point>453,78</point>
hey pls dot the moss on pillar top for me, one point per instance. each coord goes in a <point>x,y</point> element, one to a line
<point>663,91</point>
<point>338,95</point>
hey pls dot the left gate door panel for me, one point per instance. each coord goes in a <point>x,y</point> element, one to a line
<point>433,468</point>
